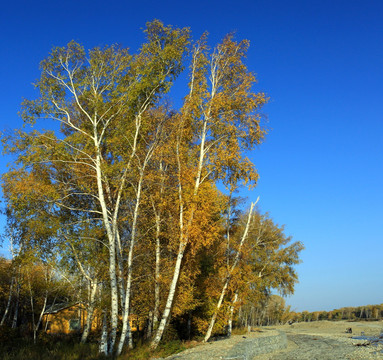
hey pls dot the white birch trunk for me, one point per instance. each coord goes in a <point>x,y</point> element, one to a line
<point>182,245</point>
<point>169,302</point>
<point>126,331</point>
<point>184,233</point>
<point>112,251</point>
<point>120,274</point>
<point>218,306</point>
<point>36,328</point>
<point>13,281</point>
<point>230,321</point>
<point>16,313</point>
<point>89,319</point>
<point>47,318</point>
<point>228,277</point>
<point>103,348</point>
<point>33,311</point>
<point>157,289</point>
<point>157,275</point>
<point>149,328</point>
<point>8,302</point>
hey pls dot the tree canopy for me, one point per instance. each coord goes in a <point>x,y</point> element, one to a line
<point>124,194</point>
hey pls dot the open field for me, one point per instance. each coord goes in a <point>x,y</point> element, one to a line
<point>323,340</point>
<point>319,340</point>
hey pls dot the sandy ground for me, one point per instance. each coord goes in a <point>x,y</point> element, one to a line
<point>324,340</point>
<point>319,340</point>
<point>216,350</point>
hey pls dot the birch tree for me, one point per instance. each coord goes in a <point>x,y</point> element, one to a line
<point>218,122</point>
<point>267,266</point>
<point>100,99</point>
<point>124,176</point>
<point>230,271</point>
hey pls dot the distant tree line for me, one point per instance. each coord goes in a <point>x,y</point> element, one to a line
<point>360,313</point>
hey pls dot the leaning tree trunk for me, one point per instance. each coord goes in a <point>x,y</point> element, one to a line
<point>230,321</point>
<point>228,277</point>
<point>8,302</point>
<point>169,302</point>
<point>126,330</point>
<point>36,328</point>
<point>89,319</point>
<point>184,232</point>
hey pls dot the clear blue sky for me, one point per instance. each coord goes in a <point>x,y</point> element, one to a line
<point>321,62</point>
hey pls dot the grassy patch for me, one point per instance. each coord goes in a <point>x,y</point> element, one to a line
<point>57,349</point>
<point>163,350</point>
<point>69,348</point>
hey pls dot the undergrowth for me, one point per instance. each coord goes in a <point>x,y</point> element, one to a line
<point>66,348</point>
<point>143,352</point>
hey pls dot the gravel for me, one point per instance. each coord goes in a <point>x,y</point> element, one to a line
<point>319,340</point>
<point>325,340</point>
<point>238,347</point>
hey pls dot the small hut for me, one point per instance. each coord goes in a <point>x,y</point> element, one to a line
<point>67,319</point>
<point>71,318</point>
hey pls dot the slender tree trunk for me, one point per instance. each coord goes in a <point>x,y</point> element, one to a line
<point>361,313</point>
<point>89,319</point>
<point>228,277</point>
<point>230,321</point>
<point>111,233</point>
<point>33,311</point>
<point>214,317</point>
<point>169,302</point>
<point>103,348</point>
<point>149,327</point>
<point>8,302</point>
<point>158,215</point>
<point>36,328</point>
<point>184,231</point>
<point>126,331</point>
<point>46,320</point>
<point>157,275</point>
<point>120,274</point>
<point>16,313</point>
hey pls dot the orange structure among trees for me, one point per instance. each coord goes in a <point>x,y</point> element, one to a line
<point>66,319</point>
<point>71,318</point>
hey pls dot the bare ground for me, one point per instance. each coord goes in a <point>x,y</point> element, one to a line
<point>218,349</point>
<point>319,340</point>
<point>324,340</point>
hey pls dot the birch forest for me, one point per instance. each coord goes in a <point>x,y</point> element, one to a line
<point>120,201</point>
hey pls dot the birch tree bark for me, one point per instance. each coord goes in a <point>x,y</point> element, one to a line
<point>103,348</point>
<point>231,312</point>
<point>100,100</point>
<point>13,279</point>
<point>228,276</point>
<point>216,120</point>
<point>16,311</point>
<point>95,167</point>
<point>91,308</point>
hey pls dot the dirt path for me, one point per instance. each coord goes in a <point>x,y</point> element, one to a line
<point>222,349</point>
<point>303,347</point>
